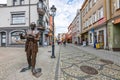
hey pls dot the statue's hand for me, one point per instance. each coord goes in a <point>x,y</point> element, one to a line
<point>20,34</point>
<point>30,36</point>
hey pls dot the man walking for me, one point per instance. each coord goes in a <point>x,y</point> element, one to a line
<point>32,36</point>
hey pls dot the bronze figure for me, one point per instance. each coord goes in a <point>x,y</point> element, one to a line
<point>32,36</point>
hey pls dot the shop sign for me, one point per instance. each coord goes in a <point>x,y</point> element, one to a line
<point>101,20</point>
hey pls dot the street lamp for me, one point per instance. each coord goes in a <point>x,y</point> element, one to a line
<point>29,13</point>
<point>53,12</point>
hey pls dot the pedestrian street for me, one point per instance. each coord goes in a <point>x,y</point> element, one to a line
<point>76,64</point>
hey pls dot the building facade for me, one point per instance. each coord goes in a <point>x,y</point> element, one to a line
<point>94,18</point>
<point>50,29</point>
<point>69,34</point>
<point>114,25</point>
<point>16,17</point>
<point>74,29</point>
<point>61,37</point>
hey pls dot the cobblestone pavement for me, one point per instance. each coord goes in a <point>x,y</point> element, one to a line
<point>77,64</point>
<point>12,60</point>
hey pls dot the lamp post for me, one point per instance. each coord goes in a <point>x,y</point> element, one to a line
<point>53,12</point>
<point>29,13</point>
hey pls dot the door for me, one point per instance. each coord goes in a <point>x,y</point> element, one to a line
<point>101,38</point>
<point>3,39</point>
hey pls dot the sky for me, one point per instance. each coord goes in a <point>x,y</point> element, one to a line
<point>3,1</point>
<point>66,11</point>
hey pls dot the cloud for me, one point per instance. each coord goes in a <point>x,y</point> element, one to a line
<point>66,11</point>
<point>3,1</point>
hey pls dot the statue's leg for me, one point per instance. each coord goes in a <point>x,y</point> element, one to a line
<point>28,54</point>
<point>33,62</point>
<point>36,72</point>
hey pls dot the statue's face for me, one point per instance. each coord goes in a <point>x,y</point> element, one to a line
<point>32,27</point>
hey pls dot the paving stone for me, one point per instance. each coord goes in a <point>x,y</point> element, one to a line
<point>71,63</point>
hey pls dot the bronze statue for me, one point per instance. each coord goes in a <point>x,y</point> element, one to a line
<point>32,36</point>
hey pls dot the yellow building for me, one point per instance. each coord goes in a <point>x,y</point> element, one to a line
<point>94,18</point>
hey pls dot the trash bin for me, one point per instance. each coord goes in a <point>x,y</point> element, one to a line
<point>97,45</point>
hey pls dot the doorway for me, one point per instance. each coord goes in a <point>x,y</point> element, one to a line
<point>3,39</point>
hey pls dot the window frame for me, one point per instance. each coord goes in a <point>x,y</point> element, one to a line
<point>118,4</point>
<point>14,2</point>
<point>18,15</point>
<point>22,2</point>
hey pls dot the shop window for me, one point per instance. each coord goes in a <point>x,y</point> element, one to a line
<point>101,36</point>
<point>15,38</point>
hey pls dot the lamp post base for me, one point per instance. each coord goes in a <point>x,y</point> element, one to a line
<point>52,56</point>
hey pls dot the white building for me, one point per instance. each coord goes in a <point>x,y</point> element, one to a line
<point>76,28</point>
<point>16,17</point>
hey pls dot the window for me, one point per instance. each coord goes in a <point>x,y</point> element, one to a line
<point>83,24</point>
<point>94,1</point>
<point>93,17</point>
<point>87,8</point>
<point>100,13</point>
<point>21,2</point>
<point>18,18</point>
<point>96,16</point>
<point>40,21</point>
<point>91,4</point>
<point>114,7</point>
<point>87,23</point>
<point>118,4</point>
<point>15,38</point>
<point>83,12</point>
<point>90,20</point>
<point>14,2</point>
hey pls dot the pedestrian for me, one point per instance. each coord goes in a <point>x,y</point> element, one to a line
<point>64,42</point>
<point>32,36</point>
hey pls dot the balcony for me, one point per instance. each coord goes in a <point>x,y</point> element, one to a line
<point>41,8</point>
<point>41,25</point>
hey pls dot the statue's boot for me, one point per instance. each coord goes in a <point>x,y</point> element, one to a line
<point>25,69</point>
<point>37,72</point>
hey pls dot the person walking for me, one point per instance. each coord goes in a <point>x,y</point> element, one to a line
<point>32,36</point>
<point>64,42</point>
